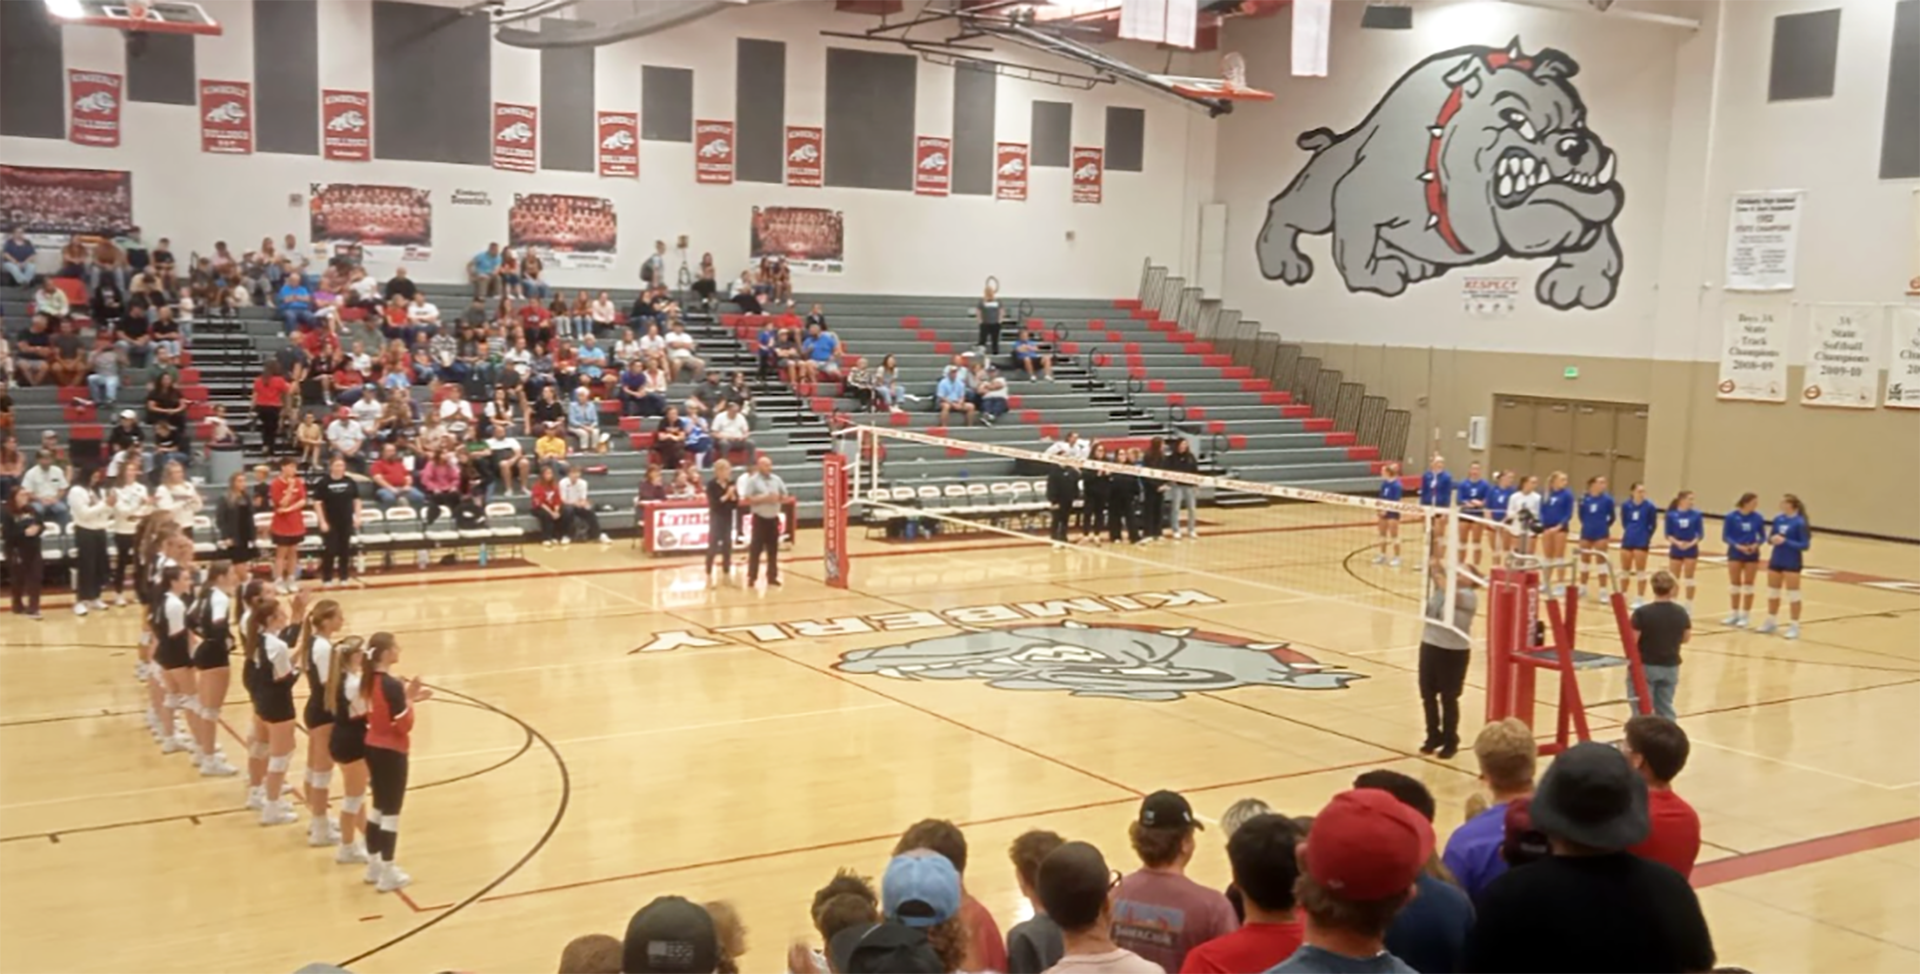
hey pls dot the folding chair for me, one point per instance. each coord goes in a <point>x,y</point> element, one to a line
<point>502,520</point>
<point>443,533</point>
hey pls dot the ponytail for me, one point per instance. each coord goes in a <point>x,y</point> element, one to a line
<point>1745,499</point>
<point>1799,508</point>
<point>341,653</point>
<point>379,648</point>
<point>200,613</point>
<point>1674,505</point>
<point>256,627</point>
<point>321,611</point>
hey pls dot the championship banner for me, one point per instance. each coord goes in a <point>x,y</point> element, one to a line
<point>713,152</point>
<point>810,239</point>
<point>389,223</point>
<point>1843,359</point>
<point>516,137</point>
<point>565,231</point>
<point>932,165</point>
<point>226,117</point>
<point>833,528</point>
<point>1762,241</point>
<point>619,135</point>
<point>805,143</point>
<point>1089,171</point>
<point>52,205</point>
<point>1903,366</point>
<point>1913,282</point>
<point>1753,352</point>
<point>95,98</point>
<point>346,125</point>
<point>1010,171</point>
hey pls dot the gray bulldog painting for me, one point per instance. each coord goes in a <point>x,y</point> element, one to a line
<point>1473,155</point>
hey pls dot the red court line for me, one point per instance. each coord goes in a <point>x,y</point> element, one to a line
<point>1792,855</point>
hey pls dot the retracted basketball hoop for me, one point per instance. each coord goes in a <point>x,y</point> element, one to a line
<point>1231,85</point>
<point>130,16</point>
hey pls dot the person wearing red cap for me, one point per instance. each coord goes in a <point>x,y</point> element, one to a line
<point>1358,867</point>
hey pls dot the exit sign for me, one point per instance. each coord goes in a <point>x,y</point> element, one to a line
<point>1570,372</point>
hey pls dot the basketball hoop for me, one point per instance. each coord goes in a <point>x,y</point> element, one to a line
<point>158,16</point>
<point>1231,85</point>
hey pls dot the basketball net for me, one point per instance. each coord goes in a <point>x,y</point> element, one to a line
<point>1233,69</point>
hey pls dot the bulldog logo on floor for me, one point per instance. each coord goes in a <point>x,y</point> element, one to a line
<point>1104,660</point>
<point>1473,155</point>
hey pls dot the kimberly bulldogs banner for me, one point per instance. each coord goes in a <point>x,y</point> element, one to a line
<point>346,125</point>
<point>713,152</point>
<point>516,137</point>
<point>805,145</point>
<point>226,117</point>
<point>95,98</point>
<point>932,165</point>
<point>54,204</point>
<point>566,231</point>
<point>1089,172</point>
<point>619,135</point>
<point>1010,171</point>
<point>389,223</point>
<point>811,239</point>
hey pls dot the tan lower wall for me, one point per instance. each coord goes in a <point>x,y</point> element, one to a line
<point>1857,470</point>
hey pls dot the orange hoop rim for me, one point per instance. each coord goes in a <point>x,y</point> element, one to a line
<point>1203,88</point>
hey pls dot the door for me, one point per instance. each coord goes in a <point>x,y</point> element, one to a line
<point>1553,431</point>
<point>1512,434</point>
<point>1629,447</point>
<point>1593,432</point>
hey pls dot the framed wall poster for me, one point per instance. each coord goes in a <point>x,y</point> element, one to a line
<point>389,223</point>
<point>565,231</point>
<point>54,204</point>
<point>1763,238</point>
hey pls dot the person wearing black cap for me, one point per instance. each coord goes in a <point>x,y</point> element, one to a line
<point>1158,912</point>
<point>671,935</point>
<point>1074,883</point>
<point>1592,905</point>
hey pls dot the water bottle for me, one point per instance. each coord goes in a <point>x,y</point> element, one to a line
<point>483,556</point>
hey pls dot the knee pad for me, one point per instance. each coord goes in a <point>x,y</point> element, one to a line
<point>279,763</point>
<point>1793,595</point>
<point>259,751</point>
<point>390,823</point>
<point>350,805</point>
<point>1773,591</point>
<point>373,817</point>
<point>208,711</point>
<point>319,779</point>
<point>180,701</point>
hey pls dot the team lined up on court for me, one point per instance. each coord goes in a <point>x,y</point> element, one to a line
<point>358,715</point>
<point>1509,515</point>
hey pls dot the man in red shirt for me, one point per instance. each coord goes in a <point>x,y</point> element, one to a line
<point>1658,749</point>
<point>1264,869</point>
<point>393,482</point>
<point>989,949</point>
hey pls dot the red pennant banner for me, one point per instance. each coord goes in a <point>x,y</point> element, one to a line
<point>805,155</point>
<point>95,98</point>
<point>1089,170</point>
<point>516,137</point>
<point>226,117</point>
<point>1010,171</point>
<point>346,125</point>
<point>713,152</point>
<point>619,134</point>
<point>932,165</point>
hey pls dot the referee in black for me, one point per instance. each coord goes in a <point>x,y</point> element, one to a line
<point>764,495</point>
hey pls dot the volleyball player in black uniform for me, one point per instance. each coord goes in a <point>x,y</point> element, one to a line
<point>347,744</point>
<point>251,596</point>
<point>277,669</point>
<point>172,651</point>
<point>211,619</point>
<point>1094,488</point>
<point>315,649</point>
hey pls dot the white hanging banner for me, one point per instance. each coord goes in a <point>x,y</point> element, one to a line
<point>1843,356</point>
<point>1762,240</point>
<point>1312,25</point>
<point>1753,351</point>
<point>1903,364</point>
<point>1913,283</point>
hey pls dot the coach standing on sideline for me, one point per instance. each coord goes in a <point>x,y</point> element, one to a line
<point>764,494</point>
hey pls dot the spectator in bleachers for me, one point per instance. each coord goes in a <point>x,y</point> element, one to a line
<point>533,284</point>
<point>269,396</point>
<point>34,351</point>
<point>167,333</point>
<point>74,258</point>
<point>16,258</point>
<point>579,317</point>
<point>1028,355</point>
<point>593,361</point>
<point>1075,888</point>
<point>670,935</point>
<point>346,438</point>
<point>739,391</point>
<point>822,349</point>
<point>583,422</point>
<point>51,302</point>
<point>423,318</point>
<point>988,950</point>
<point>548,412</point>
<point>172,443</point>
<point>46,484</point>
<point>707,396</point>
<point>951,394</point>
<point>670,439</point>
<point>107,307</point>
<point>681,346</point>
<point>440,480</point>
<point>627,347</point>
<point>593,953</point>
<point>233,524</point>
<point>547,509</point>
<point>1592,807</point>
<point>1658,749</point>
<point>602,313</point>
<point>506,463</point>
<point>1506,754</point>
<point>582,519</point>
<point>687,486</point>
<point>987,313</point>
<point>742,294</point>
<point>1036,943</point>
<point>392,481</point>
<point>163,263</point>
<point>550,450</point>
<point>109,264</point>
<point>296,305</point>
<point>26,566</point>
<point>483,272</point>
<point>68,367</point>
<point>1430,933</point>
<point>994,396</point>
<point>653,486</point>
<point>732,432</point>
<point>134,335</point>
<point>1158,912</point>
<point>309,441</point>
<point>790,358</point>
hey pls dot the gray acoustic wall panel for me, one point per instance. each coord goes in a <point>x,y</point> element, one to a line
<point>666,104</point>
<point>1126,147</point>
<point>974,90</point>
<point>160,69</point>
<point>432,84</point>
<point>31,60</point>
<point>286,85</point>
<point>568,129</point>
<point>870,119</point>
<point>1052,134</point>
<point>760,111</point>
<point>1900,139</point>
<point>1806,50</point>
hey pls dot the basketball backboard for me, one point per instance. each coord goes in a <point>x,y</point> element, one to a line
<point>157,16</point>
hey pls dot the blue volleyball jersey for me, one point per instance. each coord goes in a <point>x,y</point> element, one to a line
<point>1557,509</point>
<point>1436,489</point>
<point>1795,538</point>
<point>1596,515</point>
<point>1636,524</point>
<point>1473,492</point>
<point>1743,529</point>
<point>1497,499</point>
<point>1392,490</point>
<point>1685,525</point>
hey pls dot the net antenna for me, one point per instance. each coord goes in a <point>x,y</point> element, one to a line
<point>1231,85</point>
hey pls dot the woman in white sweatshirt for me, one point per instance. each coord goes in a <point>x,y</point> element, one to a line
<point>1523,514</point>
<point>92,519</point>
<point>131,502</point>
<point>177,496</point>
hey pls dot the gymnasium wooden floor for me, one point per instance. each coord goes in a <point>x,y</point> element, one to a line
<point>597,742</point>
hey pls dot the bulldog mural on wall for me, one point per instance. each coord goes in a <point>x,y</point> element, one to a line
<point>1475,154</point>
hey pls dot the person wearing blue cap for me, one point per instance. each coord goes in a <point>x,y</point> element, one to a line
<point>921,891</point>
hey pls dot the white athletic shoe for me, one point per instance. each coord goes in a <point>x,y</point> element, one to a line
<point>256,798</point>
<point>392,878</point>
<point>1637,603</point>
<point>605,540</point>
<point>1379,559</point>
<point>566,541</point>
<point>1743,621</point>
<point>1732,619</point>
<point>347,855</point>
<point>120,600</point>
<point>278,813</point>
<point>140,676</point>
<point>1767,628</point>
<point>1393,563</point>
<point>216,766</point>
<point>98,604</point>
<point>1793,631</point>
<point>375,867</point>
<point>171,745</point>
<point>547,543</point>
<point>79,608</point>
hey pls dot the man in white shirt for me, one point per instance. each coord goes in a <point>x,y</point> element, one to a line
<point>457,413</point>
<point>733,431</point>
<point>423,313</point>
<point>47,486</point>
<point>764,495</point>
<point>346,437</point>
<point>680,348</point>
<point>1073,448</point>
<point>576,505</point>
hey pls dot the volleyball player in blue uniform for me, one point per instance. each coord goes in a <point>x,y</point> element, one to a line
<point>1596,534</point>
<point>1473,493</point>
<point>1499,497</point>
<point>1791,536</point>
<point>1436,484</point>
<point>1637,519</point>
<point>1684,528</point>
<point>1556,511</point>
<point>1743,531</point>
<point>1391,491</point>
